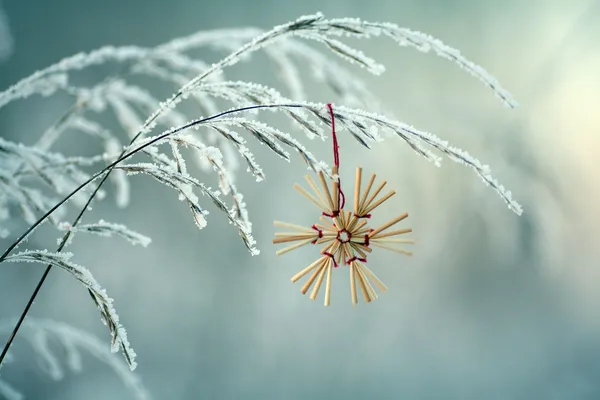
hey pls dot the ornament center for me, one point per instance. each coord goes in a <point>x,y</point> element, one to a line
<point>344,236</point>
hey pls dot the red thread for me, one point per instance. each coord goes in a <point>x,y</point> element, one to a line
<point>336,161</point>
<point>362,216</point>
<point>356,258</point>
<point>368,238</point>
<point>326,253</point>
<point>320,234</point>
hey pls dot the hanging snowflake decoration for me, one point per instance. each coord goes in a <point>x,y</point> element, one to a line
<point>346,236</point>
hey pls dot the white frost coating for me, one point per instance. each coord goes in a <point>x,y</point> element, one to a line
<point>179,160</point>
<point>256,44</point>
<point>228,38</point>
<point>425,43</point>
<point>118,177</point>
<point>45,87</point>
<point>112,149</point>
<point>53,169</point>
<point>229,159</point>
<point>184,184</point>
<point>239,143</point>
<point>181,182</point>
<point>211,155</point>
<point>411,134</point>
<point>72,342</point>
<point>107,229</point>
<point>94,129</point>
<point>31,202</point>
<point>348,53</point>
<point>242,94</point>
<point>232,39</point>
<point>259,131</point>
<point>126,115</point>
<point>105,304</point>
<point>345,84</point>
<point>121,92</point>
<point>52,78</point>
<point>163,174</point>
<point>318,28</point>
<point>14,193</point>
<point>238,215</point>
<point>270,136</point>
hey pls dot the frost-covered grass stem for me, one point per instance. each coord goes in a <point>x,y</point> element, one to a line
<point>104,173</point>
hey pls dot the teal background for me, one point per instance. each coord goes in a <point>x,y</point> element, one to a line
<point>491,306</point>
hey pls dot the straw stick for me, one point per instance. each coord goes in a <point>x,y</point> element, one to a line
<point>361,248</point>
<point>307,269</point>
<point>325,239</point>
<point>368,286</point>
<point>361,282</point>
<point>315,290</point>
<point>347,251</point>
<point>309,196</point>
<point>335,185</point>
<point>375,279</point>
<point>389,240</point>
<point>331,248</point>
<point>328,224</point>
<point>388,224</point>
<point>357,189</point>
<point>327,194</point>
<point>330,232</point>
<point>282,224</point>
<point>364,198</point>
<point>312,278</point>
<point>379,202</point>
<point>328,285</point>
<point>375,193</point>
<point>315,188</point>
<point>356,224</point>
<point>392,233</point>
<point>342,218</point>
<point>293,247</point>
<point>347,220</point>
<point>290,238</point>
<point>394,249</point>
<point>362,232</point>
<point>286,234</point>
<point>353,284</point>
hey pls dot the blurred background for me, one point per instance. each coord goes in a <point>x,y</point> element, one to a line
<point>491,305</point>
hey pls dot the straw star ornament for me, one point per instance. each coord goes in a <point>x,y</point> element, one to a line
<point>346,236</point>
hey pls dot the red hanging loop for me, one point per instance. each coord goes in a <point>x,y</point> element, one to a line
<point>336,161</point>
